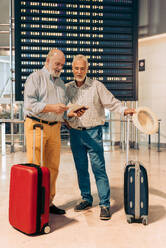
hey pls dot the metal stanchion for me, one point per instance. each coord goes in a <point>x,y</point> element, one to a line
<point>136,133</point>
<point>21,126</point>
<point>3,139</point>
<point>132,143</point>
<point>158,144</point>
<point>110,130</point>
<point>158,139</point>
<point>24,140</point>
<point>149,141</point>
<point>11,73</point>
<point>125,128</point>
<point>121,134</point>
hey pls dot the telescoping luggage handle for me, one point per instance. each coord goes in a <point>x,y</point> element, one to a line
<point>137,172</point>
<point>127,139</point>
<point>127,142</point>
<point>34,141</point>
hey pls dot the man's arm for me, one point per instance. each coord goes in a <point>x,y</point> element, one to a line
<point>57,108</point>
<point>113,104</point>
<point>108,100</point>
<point>31,95</point>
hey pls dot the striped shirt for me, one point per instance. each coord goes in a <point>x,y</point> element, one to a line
<point>42,89</point>
<point>96,96</point>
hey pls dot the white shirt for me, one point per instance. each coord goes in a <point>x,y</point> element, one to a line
<point>96,97</point>
<point>41,89</point>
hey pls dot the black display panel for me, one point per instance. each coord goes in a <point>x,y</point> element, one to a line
<point>106,31</point>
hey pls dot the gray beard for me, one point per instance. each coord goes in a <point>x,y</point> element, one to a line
<point>53,74</point>
<point>79,79</point>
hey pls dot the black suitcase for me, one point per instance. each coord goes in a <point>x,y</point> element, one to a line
<point>135,189</point>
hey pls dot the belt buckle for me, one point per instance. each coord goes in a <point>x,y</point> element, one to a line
<point>82,128</point>
<point>50,123</point>
<point>79,128</point>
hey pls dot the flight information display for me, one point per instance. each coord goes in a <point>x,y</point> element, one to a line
<point>106,31</point>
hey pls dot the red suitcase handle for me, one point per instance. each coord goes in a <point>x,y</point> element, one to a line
<point>34,141</point>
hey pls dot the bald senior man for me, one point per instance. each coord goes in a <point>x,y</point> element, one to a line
<point>45,102</point>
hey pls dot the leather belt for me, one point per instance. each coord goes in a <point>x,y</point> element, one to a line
<point>42,121</point>
<point>84,128</point>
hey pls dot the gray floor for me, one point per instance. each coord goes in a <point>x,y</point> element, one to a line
<point>86,230</point>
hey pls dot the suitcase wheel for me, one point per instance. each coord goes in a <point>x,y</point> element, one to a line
<point>46,229</point>
<point>129,220</point>
<point>144,221</point>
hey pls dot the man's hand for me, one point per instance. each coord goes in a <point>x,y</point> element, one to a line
<point>78,113</point>
<point>58,108</point>
<point>129,111</point>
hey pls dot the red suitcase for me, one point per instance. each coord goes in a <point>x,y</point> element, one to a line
<point>29,195</point>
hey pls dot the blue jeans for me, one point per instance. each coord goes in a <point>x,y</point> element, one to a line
<point>90,142</point>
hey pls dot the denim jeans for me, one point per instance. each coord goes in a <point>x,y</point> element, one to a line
<point>90,142</point>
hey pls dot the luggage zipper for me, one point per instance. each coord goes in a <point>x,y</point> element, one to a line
<point>137,190</point>
<point>39,209</point>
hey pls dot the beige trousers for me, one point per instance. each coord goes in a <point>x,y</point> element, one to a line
<point>51,149</point>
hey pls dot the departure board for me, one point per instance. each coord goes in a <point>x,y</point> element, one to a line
<point>106,31</point>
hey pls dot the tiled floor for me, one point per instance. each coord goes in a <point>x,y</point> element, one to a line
<point>86,230</point>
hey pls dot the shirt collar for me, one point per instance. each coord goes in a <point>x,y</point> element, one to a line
<point>49,75</point>
<point>45,70</point>
<point>85,84</point>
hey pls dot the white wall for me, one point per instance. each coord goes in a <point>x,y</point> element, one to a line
<point>152,81</point>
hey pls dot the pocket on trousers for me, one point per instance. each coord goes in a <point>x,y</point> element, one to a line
<point>100,133</point>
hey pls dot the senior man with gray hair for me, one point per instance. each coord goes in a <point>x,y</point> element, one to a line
<point>86,133</point>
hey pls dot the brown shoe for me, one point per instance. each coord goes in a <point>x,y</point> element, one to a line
<point>105,213</point>
<point>83,205</point>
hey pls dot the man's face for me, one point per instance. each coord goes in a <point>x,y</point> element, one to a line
<point>55,64</point>
<point>79,70</point>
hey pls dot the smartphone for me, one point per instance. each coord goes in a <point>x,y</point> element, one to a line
<point>80,108</point>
